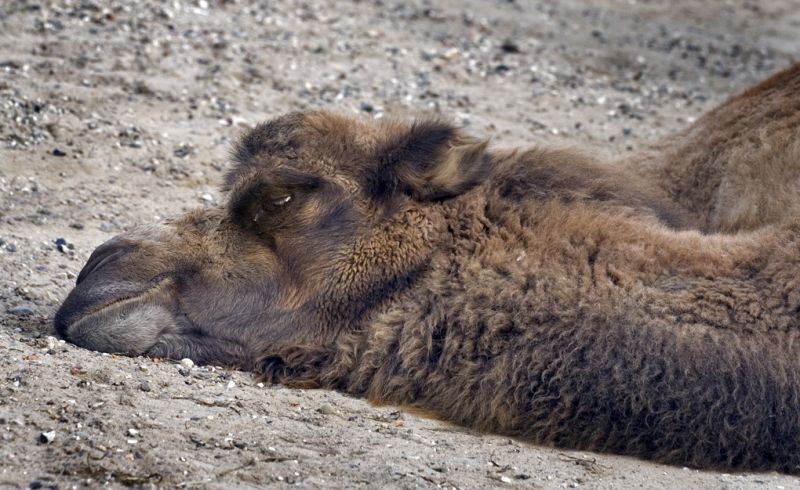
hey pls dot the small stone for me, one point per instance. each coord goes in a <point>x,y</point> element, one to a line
<point>183,151</point>
<point>58,152</point>
<point>47,437</point>
<point>145,386</point>
<point>505,479</point>
<point>326,409</point>
<point>133,432</point>
<point>63,246</point>
<point>11,247</point>
<point>20,311</point>
<point>201,374</point>
<point>366,107</point>
<point>187,363</point>
<point>50,342</point>
<point>230,385</point>
<point>34,484</point>
<point>510,47</point>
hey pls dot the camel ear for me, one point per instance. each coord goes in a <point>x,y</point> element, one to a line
<point>430,160</point>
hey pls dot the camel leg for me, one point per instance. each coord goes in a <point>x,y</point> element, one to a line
<point>738,167</point>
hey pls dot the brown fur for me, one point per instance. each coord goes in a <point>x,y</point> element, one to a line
<point>537,294</point>
<point>736,167</point>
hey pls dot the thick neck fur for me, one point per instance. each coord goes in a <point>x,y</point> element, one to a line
<point>594,327</point>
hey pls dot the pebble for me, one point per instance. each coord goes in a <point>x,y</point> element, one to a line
<point>133,432</point>
<point>50,342</point>
<point>58,152</point>
<point>145,386</point>
<point>187,363</point>
<point>63,246</point>
<point>326,409</point>
<point>20,311</point>
<point>47,437</point>
<point>510,47</point>
<point>183,151</point>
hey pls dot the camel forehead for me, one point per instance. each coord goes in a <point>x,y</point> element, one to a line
<point>322,143</point>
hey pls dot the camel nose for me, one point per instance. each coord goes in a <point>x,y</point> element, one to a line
<point>106,254</point>
<point>117,306</point>
<point>96,283</point>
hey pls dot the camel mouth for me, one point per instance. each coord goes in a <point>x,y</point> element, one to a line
<point>128,323</point>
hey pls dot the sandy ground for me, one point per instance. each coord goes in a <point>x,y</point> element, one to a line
<point>115,113</point>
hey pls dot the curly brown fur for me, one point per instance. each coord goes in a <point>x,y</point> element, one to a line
<point>538,294</point>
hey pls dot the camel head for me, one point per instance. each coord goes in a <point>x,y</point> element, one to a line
<point>325,219</point>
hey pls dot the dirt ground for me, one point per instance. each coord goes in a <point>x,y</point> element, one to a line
<point>122,112</point>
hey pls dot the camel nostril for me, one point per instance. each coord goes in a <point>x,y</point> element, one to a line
<point>102,256</point>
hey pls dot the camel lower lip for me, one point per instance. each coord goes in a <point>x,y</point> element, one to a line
<point>128,325</point>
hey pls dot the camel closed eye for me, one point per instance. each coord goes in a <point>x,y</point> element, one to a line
<point>277,204</point>
<point>265,206</point>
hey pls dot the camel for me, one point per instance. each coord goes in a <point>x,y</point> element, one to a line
<point>647,306</point>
